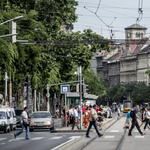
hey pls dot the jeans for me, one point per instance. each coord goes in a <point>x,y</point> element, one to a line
<point>75,122</point>
<point>92,123</point>
<point>147,122</point>
<point>135,123</point>
<point>27,131</point>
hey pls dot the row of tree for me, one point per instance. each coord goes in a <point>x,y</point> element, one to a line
<point>52,55</point>
<point>138,92</point>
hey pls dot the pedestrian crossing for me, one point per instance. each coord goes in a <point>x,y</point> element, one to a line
<point>35,139</point>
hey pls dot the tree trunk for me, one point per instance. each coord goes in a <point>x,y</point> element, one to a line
<point>20,96</point>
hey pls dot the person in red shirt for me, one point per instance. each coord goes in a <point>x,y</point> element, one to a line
<point>97,110</point>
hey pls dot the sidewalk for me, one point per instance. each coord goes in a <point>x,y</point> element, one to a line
<point>69,129</point>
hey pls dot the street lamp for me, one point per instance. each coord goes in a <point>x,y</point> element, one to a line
<point>19,17</point>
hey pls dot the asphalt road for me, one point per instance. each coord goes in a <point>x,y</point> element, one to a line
<point>39,139</point>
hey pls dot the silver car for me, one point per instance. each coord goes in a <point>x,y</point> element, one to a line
<point>41,120</point>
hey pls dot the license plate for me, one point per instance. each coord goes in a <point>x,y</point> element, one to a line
<point>39,125</point>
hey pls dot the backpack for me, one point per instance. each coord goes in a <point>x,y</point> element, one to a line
<point>132,114</point>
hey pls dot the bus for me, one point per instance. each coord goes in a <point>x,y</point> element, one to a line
<point>127,104</point>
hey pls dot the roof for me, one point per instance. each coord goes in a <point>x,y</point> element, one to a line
<point>136,26</point>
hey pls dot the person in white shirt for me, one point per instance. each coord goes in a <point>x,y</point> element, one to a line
<point>71,115</point>
<point>147,118</point>
<point>76,118</point>
<point>118,112</point>
<point>24,123</point>
<point>57,112</point>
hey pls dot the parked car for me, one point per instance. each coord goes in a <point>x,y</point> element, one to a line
<point>4,120</point>
<point>12,118</point>
<point>41,120</point>
<point>18,112</point>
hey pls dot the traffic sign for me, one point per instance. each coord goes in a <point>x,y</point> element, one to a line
<point>48,95</point>
<point>65,88</point>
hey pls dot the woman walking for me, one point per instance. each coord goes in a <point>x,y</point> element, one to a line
<point>143,116</point>
<point>87,116</point>
<point>147,119</point>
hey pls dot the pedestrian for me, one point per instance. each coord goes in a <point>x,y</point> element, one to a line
<point>147,119</point>
<point>79,113</point>
<point>92,119</point>
<point>75,122</point>
<point>143,116</point>
<point>57,113</point>
<point>25,124</point>
<point>118,112</point>
<point>128,120</point>
<point>97,110</point>
<point>134,117</point>
<point>87,116</point>
<point>71,115</point>
<point>83,113</point>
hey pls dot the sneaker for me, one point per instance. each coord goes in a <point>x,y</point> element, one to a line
<point>100,135</point>
<point>27,138</point>
<point>14,136</point>
<point>87,136</point>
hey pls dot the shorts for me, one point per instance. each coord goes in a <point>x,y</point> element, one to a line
<point>78,117</point>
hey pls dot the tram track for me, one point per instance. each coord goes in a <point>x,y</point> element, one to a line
<point>119,144</point>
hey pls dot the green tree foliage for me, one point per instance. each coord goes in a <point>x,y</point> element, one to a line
<point>41,25</point>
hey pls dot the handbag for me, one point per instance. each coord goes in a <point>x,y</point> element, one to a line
<point>148,117</point>
<point>25,123</point>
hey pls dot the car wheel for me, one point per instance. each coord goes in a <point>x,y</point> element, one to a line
<point>52,128</point>
<point>11,128</point>
<point>8,130</point>
<point>5,131</point>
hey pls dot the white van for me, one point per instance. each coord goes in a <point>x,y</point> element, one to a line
<point>12,118</point>
<point>4,120</point>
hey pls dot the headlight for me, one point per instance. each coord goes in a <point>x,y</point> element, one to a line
<point>47,122</point>
<point>3,123</point>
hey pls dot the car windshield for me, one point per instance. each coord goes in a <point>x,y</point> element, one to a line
<point>2,115</point>
<point>18,112</point>
<point>41,115</point>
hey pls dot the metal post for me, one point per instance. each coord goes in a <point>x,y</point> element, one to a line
<point>5,87</point>
<point>34,100</point>
<point>80,97</point>
<point>39,102</point>
<point>65,112</point>
<point>10,94</point>
<point>48,97</point>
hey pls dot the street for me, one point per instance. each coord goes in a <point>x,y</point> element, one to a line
<point>45,140</point>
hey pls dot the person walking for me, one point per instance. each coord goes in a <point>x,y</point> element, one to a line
<point>147,119</point>
<point>71,115</point>
<point>134,117</point>
<point>25,124</point>
<point>128,120</point>
<point>92,119</point>
<point>79,113</point>
<point>118,110</point>
<point>57,113</point>
<point>87,116</point>
<point>143,116</point>
<point>75,122</point>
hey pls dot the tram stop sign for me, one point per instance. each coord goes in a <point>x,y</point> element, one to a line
<point>65,89</point>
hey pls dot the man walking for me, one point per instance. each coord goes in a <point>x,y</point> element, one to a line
<point>92,119</point>
<point>24,123</point>
<point>135,122</point>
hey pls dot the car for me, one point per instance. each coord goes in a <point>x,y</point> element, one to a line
<point>18,112</point>
<point>41,120</point>
<point>4,120</point>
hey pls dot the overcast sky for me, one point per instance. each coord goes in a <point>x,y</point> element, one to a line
<point>125,11</point>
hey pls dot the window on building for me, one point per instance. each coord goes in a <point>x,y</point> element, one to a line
<point>141,35</point>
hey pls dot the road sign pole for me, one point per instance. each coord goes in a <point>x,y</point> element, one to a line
<point>80,76</point>
<point>48,97</point>
<point>65,112</point>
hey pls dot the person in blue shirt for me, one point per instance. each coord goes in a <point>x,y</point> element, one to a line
<point>128,120</point>
<point>135,122</point>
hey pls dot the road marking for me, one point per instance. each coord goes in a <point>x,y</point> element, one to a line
<point>114,131</point>
<point>37,138</point>
<point>109,137</point>
<point>74,137</point>
<point>55,138</point>
<point>136,131</point>
<point>62,144</point>
<point>2,143</point>
<point>2,139</point>
<point>140,137</point>
<point>17,139</point>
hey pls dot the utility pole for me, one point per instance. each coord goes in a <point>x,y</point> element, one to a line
<point>48,95</point>
<point>34,100</point>
<point>6,79</point>
<point>39,102</point>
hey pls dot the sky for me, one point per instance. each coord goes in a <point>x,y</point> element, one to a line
<point>118,12</point>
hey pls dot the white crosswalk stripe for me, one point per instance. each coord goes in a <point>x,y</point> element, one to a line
<point>55,138</point>
<point>109,137</point>
<point>17,139</point>
<point>74,137</point>
<point>2,139</point>
<point>37,138</point>
<point>114,131</point>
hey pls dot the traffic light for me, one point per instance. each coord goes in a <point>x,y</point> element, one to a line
<point>46,99</point>
<point>123,97</point>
